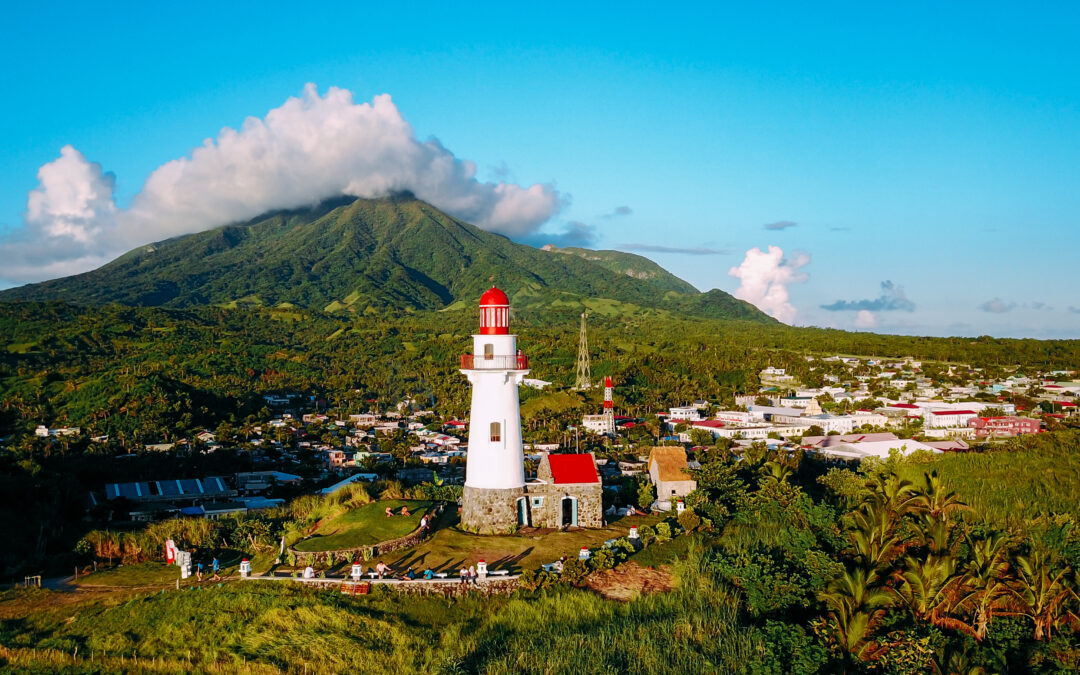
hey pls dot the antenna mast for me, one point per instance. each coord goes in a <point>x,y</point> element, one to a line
<point>584,373</point>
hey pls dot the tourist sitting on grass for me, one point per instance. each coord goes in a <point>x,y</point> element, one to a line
<point>464,574</point>
<point>429,574</point>
<point>389,513</point>
<point>405,511</point>
<point>558,564</point>
<point>410,574</point>
<point>382,569</point>
<point>423,524</point>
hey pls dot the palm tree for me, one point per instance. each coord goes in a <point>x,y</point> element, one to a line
<point>934,499</point>
<point>779,472</point>
<point>1040,592</point>
<point>892,492</point>
<point>931,590</point>
<point>873,536</point>
<point>855,605</point>
<point>985,574</point>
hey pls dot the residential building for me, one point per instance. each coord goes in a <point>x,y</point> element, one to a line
<point>669,473</point>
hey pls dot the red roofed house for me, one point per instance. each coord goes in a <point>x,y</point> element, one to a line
<point>566,493</point>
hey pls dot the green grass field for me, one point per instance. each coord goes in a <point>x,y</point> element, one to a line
<point>365,526</point>
<point>450,549</point>
<point>263,627</point>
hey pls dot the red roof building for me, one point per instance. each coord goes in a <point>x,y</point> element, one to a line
<point>567,469</point>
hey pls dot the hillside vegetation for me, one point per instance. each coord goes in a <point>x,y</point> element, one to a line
<point>368,255</point>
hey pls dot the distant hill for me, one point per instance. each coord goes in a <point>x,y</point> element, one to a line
<point>631,265</point>
<point>366,255</point>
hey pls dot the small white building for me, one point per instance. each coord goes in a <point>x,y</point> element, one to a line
<point>684,414</point>
<point>941,419</point>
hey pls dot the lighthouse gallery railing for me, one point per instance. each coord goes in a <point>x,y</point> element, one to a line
<point>473,362</point>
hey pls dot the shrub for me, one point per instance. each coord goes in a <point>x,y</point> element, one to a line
<point>663,532</point>
<point>534,580</point>
<point>603,559</point>
<point>575,571</point>
<point>689,520</point>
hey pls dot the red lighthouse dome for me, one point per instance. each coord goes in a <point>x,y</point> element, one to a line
<point>494,312</point>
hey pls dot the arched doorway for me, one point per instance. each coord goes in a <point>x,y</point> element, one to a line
<point>522,512</point>
<point>568,513</point>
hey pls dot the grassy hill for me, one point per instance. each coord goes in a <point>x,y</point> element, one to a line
<point>368,255</point>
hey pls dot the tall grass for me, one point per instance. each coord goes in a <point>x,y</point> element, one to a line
<point>1026,479</point>
<point>266,627</point>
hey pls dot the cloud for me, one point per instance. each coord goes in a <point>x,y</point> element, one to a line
<point>892,298</point>
<point>1038,306</point>
<point>764,278</point>
<point>865,319</point>
<point>688,250</point>
<point>780,225</point>
<point>574,234</point>
<point>840,229</point>
<point>997,306</point>
<point>308,149</point>
<point>1074,310</point>
<point>618,212</point>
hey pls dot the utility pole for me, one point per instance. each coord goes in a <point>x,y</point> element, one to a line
<point>584,373</point>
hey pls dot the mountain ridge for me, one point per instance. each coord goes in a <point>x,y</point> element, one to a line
<point>367,255</point>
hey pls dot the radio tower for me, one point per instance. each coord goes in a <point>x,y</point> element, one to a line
<point>583,371</point>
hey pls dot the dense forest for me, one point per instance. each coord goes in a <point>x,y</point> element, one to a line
<point>149,374</point>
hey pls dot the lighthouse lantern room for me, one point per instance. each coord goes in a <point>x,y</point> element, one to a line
<point>495,466</point>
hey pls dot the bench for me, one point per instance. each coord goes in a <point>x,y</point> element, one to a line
<point>499,573</point>
<point>373,575</point>
<point>441,575</point>
<point>610,542</point>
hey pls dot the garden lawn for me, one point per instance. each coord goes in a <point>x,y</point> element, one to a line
<point>450,549</point>
<point>365,526</point>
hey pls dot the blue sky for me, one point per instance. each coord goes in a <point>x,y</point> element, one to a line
<point>935,147</point>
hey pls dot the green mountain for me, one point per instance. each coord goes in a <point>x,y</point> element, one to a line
<point>631,265</point>
<point>367,255</point>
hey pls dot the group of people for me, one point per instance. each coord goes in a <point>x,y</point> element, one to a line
<point>468,575</point>
<point>383,571</point>
<point>215,566</point>
<point>403,512</point>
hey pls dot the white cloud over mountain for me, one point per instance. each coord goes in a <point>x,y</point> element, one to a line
<point>764,278</point>
<point>310,148</point>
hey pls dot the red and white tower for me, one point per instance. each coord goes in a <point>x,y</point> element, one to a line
<point>609,403</point>
<point>495,466</point>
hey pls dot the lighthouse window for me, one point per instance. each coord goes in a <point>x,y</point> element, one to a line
<point>489,351</point>
<point>496,432</point>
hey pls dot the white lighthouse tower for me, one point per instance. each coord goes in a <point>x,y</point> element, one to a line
<point>493,498</point>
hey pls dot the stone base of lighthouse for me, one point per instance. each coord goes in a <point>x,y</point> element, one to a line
<point>490,511</point>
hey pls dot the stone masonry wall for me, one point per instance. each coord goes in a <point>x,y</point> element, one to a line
<point>590,509</point>
<point>490,511</point>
